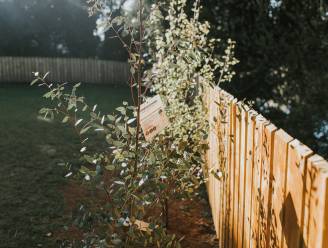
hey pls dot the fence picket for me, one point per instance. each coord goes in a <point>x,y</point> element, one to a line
<point>316,222</point>
<point>242,163</point>
<point>249,177</point>
<point>266,183</point>
<point>279,174</point>
<point>274,193</point>
<point>295,194</point>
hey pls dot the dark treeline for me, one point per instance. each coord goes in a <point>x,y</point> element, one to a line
<point>283,49</point>
<point>53,28</point>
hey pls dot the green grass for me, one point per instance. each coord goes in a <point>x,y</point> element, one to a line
<point>30,150</point>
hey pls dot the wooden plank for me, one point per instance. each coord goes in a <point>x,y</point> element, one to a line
<point>227,174</point>
<point>225,122</point>
<point>223,139</point>
<point>279,174</point>
<point>219,165</point>
<point>215,183</point>
<point>236,175</point>
<point>260,123</point>
<point>232,159</point>
<point>226,136</point>
<point>295,194</point>
<point>242,164</point>
<point>210,155</point>
<point>249,177</point>
<point>316,223</point>
<point>266,183</point>
<point>220,103</point>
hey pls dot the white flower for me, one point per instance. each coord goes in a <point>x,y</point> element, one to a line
<point>83,149</point>
<point>87,177</point>
<point>36,74</point>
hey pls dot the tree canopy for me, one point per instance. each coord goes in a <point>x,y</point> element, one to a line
<point>60,28</point>
<point>282,46</point>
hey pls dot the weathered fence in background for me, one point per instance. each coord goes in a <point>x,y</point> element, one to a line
<point>272,191</point>
<point>19,69</point>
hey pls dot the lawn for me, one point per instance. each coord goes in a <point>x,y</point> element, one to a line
<point>31,154</point>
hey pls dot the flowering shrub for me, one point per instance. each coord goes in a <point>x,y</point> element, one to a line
<point>183,67</point>
<point>144,175</point>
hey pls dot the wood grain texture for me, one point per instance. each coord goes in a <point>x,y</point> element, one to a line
<point>232,235</point>
<point>243,109</point>
<point>266,183</point>
<point>295,194</point>
<point>260,123</point>
<point>316,223</point>
<point>279,174</point>
<point>273,192</point>
<point>249,177</point>
<point>237,136</point>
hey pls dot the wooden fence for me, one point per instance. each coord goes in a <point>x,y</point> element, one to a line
<point>19,69</point>
<point>272,191</point>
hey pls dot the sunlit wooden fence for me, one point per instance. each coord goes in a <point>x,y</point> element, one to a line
<point>272,191</point>
<point>19,69</point>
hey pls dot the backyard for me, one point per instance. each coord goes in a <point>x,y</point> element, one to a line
<point>33,154</point>
<point>169,123</point>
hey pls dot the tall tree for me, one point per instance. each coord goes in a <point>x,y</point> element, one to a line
<point>282,46</point>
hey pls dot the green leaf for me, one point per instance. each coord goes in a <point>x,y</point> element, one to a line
<point>48,94</point>
<point>84,130</point>
<point>110,167</point>
<point>121,110</point>
<point>65,120</point>
<point>34,81</point>
<point>88,159</point>
<point>45,75</point>
<point>111,118</point>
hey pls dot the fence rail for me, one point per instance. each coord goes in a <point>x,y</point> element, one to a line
<point>19,69</point>
<point>272,191</point>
